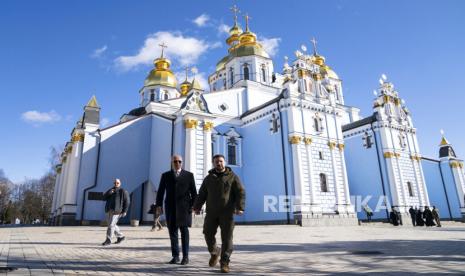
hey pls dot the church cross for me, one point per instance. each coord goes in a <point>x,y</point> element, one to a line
<point>235,10</point>
<point>313,40</point>
<point>187,71</point>
<point>163,46</point>
<point>247,17</point>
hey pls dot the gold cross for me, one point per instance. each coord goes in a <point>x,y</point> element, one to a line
<point>163,46</point>
<point>235,10</point>
<point>313,40</point>
<point>187,71</point>
<point>247,17</point>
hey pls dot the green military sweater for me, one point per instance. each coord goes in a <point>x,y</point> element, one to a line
<point>223,192</point>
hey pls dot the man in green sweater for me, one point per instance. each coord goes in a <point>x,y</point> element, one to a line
<point>224,195</point>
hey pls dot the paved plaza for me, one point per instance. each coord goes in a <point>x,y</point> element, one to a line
<point>259,250</point>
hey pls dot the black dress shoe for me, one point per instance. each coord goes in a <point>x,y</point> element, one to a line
<point>119,240</point>
<point>184,261</point>
<point>106,242</point>
<point>175,260</point>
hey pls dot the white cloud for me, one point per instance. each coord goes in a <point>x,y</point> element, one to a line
<point>223,29</point>
<point>99,52</point>
<point>182,49</point>
<point>36,118</point>
<point>271,45</point>
<point>201,21</point>
<point>104,122</point>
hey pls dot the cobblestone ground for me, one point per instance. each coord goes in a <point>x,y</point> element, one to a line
<point>259,250</point>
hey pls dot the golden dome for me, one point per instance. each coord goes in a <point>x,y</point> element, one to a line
<point>248,50</point>
<point>327,71</point>
<point>161,74</point>
<point>220,65</point>
<point>319,60</point>
<point>234,33</point>
<point>185,87</point>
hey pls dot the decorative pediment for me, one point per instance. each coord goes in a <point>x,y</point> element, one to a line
<point>195,102</point>
<point>232,133</point>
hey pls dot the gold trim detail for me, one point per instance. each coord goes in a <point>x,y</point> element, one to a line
<point>331,145</point>
<point>190,123</point>
<point>63,160</point>
<point>68,149</point>
<point>456,164</point>
<point>341,146</point>
<point>415,157</point>
<point>79,137</point>
<point>207,126</point>
<point>389,154</point>
<point>295,139</point>
<point>307,140</point>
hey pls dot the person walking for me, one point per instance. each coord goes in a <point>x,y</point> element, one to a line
<point>368,212</point>
<point>412,215</point>
<point>435,213</point>
<point>180,190</point>
<point>116,207</point>
<point>224,195</point>
<point>428,216</point>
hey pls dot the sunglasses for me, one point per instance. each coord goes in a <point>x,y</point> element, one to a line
<point>177,161</point>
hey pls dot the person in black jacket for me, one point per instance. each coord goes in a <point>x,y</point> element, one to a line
<point>116,207</point>
<point>179,186</point>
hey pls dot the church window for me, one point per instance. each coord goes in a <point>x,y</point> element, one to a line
<point>166,95</point>
<point>231,76</point>
<point>321,155</point>
<point>368,140</point>
<point>246,72</point>
<point>402,140</point>
<point>232,146</point>
<point>274,123</point>
<point>410,189</point>
<point>317,124</point>
<point>152,95</point>
<point>323,184</point>
<point>224,82</point>
<point>305,85</point>
<point>263,73</point>
<point>223,107</point>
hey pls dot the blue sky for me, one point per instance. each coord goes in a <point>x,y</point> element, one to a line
<point>54,55</point>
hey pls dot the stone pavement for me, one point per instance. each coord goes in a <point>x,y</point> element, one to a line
<point>259,250</point>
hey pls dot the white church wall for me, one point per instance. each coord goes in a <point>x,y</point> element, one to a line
<point>124,154</point>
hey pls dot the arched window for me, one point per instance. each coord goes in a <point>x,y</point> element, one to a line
<point>166,96</point>
<point>231,76</point>
<point>263,73</point>
<point>305,85</point>
<point>232,145</point>
<point>246,72</point>
<point>323,184</point>
<point>316,123</point>
<point>152,95</point>
<point>410,189</point>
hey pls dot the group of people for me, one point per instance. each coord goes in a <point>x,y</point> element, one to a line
<point>221,190</point>
<point>427,217</point>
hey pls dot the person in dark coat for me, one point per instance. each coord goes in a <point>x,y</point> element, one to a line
<point>394,217</point>
<point>224,194</point>
<point>116,206</point>
<point>420,221</point>
<point>435,213</point>
<point>180,190</point>
<point>412,215</point>
<point>428,215</point>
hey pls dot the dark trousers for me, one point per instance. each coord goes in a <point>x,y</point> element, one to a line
<point>173,230</point>
<point>226,224</point>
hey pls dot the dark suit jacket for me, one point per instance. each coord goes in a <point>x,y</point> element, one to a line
<point>180,196</point>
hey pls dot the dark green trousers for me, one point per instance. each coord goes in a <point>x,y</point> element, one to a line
<point>226,224</point>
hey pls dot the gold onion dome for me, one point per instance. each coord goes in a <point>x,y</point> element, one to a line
<point>161,74</point>
<point>234,33</point>
<point>185,87</point>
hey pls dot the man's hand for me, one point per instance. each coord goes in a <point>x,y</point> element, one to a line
<point>239,212</point>
<point>123,215</point>
<point>159,210</point>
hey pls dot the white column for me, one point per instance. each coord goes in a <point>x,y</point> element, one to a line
<point>55,189</point>
<point>459,181</point>
<point>75,162</point>
<point>298,178</point>
<point>65,179</point>
<point>314,201</point>
<point>207,146</point>
<point>349,207</point>
<point>339,202</point>
<point>190,160</point>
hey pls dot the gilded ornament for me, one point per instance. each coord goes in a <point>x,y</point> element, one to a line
<point>295,139</point>
<point>307,140</point>
<point>331,145</point>
<point>341,146</point>
<point>207,126</point>
<point>190,123</point>
<point>79,137</point>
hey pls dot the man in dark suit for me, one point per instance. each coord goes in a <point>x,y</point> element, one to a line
<point>181,192</point>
